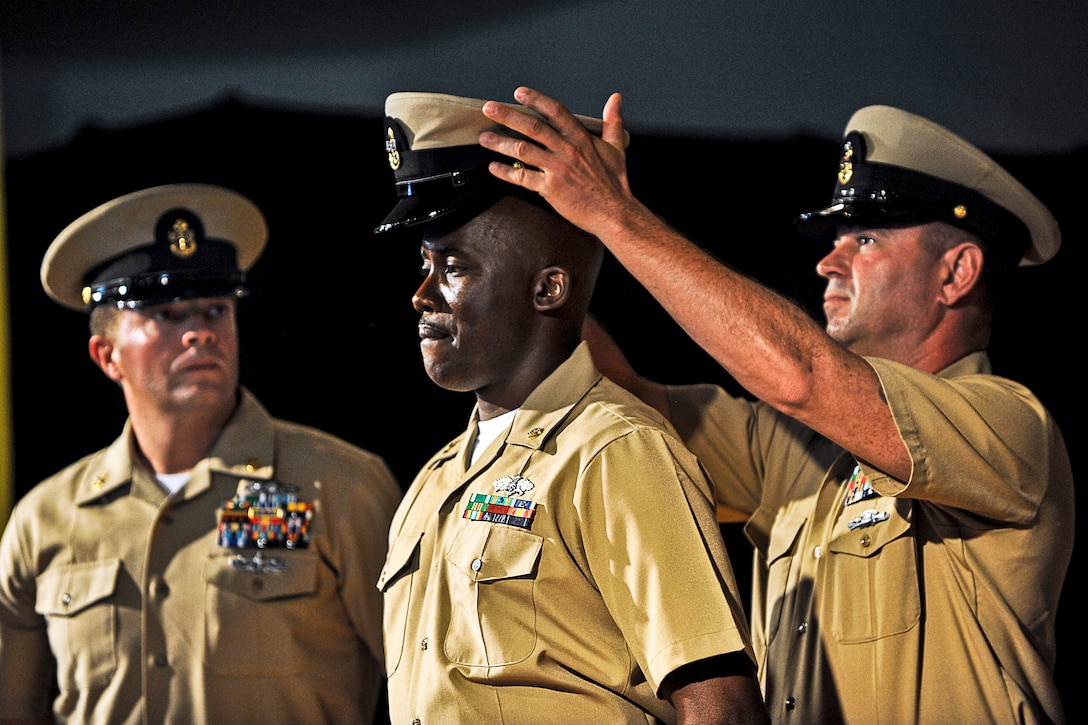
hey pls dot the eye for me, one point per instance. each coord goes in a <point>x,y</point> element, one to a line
<point>215,312</point>
<point>864,240</point>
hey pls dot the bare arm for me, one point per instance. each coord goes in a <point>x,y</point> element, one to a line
<point>768,344</point>
<point>718,690</point>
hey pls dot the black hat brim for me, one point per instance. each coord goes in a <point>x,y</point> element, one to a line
<point>451,209</point>
<point>447,208</point>
<point>824,224</point>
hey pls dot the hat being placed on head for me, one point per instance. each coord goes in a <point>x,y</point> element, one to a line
<point>440,169</point>
<point>161,244</point>
<point>898,168</point>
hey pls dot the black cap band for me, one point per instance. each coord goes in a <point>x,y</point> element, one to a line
<point>179,264</point>
<point>168,286</point>
<point>886,195</point>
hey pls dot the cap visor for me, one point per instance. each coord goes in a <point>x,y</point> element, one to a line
<point>452,209</point>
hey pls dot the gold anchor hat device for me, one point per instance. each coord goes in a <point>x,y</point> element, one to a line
<point>165,243</point>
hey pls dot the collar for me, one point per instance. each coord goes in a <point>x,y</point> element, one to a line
<point>245,449</point>
<point>548,406</point>
<point>977,363</point>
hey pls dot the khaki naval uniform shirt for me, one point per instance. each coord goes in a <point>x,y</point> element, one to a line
<point>923,601</point>
<point>149,621</point>
<point>563,575</point>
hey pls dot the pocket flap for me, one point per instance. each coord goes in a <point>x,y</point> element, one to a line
<point>67,590</point>
<point>297,578</point>
<point>787,527</point>
<point>490,552</point>
<point>403,558</point>
<point>876,523</point>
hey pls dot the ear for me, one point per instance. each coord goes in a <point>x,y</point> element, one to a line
<point>101,350</point>
<point>961,267</point>
<point>551,289</point>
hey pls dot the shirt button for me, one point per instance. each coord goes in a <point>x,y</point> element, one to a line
<point>818,552</point>
<point>423,643</point>
<point>791,703</point>
<point>865,540</point>
<point>417,721</point>
<point>802,628</point>
<point>159,661</point>
<point>476,564</point>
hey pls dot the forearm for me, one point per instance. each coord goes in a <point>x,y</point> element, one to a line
<point>722,690</point>
<point>769,345</point>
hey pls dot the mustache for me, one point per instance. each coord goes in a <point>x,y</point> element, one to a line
<point>834,289</point>
<point>429,327</point>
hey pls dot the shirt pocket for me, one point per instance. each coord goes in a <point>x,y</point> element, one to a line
<point>872,573</point>
<point>492,572</point>
<point>77,601</point>
<point>253,620</point>
<point>395,583</point>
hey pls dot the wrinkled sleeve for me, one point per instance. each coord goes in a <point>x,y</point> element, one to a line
<point>981,430</point>
<point>657,556</point>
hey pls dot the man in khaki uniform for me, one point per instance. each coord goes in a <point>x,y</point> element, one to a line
<point>214,564</point>
<point>559,561</point>
<point>911,511</point>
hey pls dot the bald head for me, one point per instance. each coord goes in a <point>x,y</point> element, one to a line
<point>560,244</point>
<point>542,240</point>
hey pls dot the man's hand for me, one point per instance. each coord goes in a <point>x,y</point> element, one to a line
<point>583,177</point>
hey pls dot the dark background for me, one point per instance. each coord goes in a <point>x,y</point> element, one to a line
<point>328,332</point>
<point>1008,74</point>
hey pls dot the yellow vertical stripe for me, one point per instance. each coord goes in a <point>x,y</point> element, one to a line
<point>6,450</point>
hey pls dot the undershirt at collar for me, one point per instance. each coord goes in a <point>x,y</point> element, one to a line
<point>489,430</point>
<point>173,482</point>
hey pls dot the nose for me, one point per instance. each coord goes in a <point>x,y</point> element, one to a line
<point>834,262</point>
<point>423,299</point>
<point>193,338</point>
